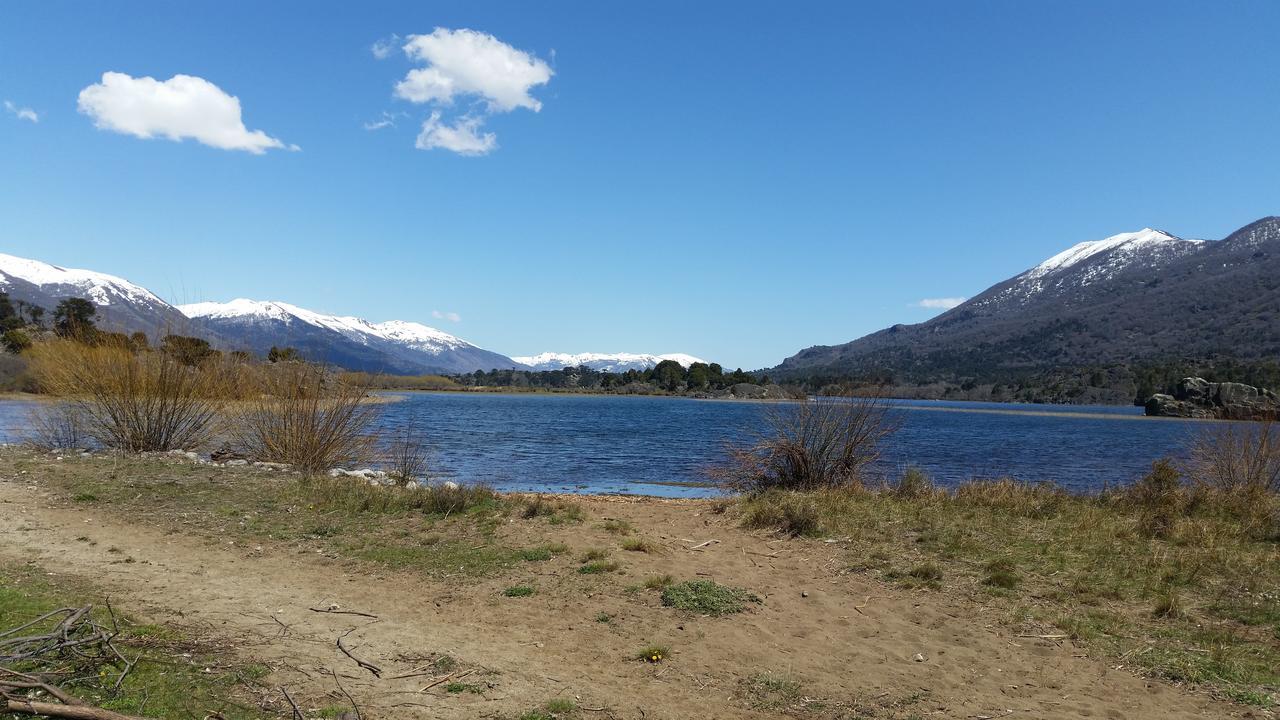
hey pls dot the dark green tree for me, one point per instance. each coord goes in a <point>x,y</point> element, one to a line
<point>668,374</point>
<point>282,354</point>
<point>15,341</point>
<point>73,318</point>
<point>190,351</point>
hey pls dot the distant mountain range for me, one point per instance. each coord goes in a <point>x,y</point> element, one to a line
<point>604,362</point>
<point>121,305</point>
<point>395,347</point>
<point>1146,296</point>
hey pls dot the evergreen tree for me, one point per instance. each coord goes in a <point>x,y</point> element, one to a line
<point>73,318</point>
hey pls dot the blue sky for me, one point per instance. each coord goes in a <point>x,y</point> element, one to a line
<point>733,180</point>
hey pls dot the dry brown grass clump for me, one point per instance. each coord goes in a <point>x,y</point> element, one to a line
<point>822,443</point>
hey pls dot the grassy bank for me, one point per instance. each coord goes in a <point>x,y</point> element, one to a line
<point>175,675</point>
<point>1198,603</point>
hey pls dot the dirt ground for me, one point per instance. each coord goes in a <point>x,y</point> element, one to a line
<point>848,645</point>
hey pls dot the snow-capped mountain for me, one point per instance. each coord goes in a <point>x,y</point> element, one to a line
<point>121,304</point>
<point>1127,299</point>
<point>1091,262</point>
<point>395,346</point>
<point>604,362</point>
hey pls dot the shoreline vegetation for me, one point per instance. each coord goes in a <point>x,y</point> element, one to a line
<point>1175,579</point>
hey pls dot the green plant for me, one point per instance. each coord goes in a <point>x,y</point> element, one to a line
<point>1001,574</point>
<point>1158,498</point>
<point>600,566</point>
<point>796,514</point>
<point>658,582</point>
<point>653,653</point>
<point>519,591</point>
<point>617,527</point>
<point>707,597</point>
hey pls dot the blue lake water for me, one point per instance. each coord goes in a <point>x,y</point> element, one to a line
<point>655,445</point>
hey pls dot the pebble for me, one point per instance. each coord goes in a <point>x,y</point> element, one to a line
<point>804,593</point>
<point>918,657</point>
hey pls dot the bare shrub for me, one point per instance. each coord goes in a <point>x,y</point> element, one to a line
<point>822,443</point>
<point>307,418</point>
<point>407,454</point>
<point>132,401</point>
<point>1238,456</point>
<point>56,426</point>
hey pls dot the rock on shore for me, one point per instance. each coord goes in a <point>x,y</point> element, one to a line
<point>1198,398</point>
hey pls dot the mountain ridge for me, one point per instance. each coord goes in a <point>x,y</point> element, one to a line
<point>1146,296</point>
<point>604,362</point>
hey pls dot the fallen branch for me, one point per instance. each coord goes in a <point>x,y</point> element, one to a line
<point>703,544</point>
<point>297,714</point>
<point>350,699</point>
<point>377,671</point>
<point>335,611</point>
<point>74,712</point>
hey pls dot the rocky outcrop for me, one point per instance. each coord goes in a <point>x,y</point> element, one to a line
<point>1198,398</point>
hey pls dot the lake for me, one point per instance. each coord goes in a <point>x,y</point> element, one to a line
<point>660,445</point>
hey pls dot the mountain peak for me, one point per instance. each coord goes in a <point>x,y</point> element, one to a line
<point>100,288</point>
<point>1256,233</point>
<point>1126,242</point>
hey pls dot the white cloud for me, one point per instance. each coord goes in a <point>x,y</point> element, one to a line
<point>387,120</point>
<point>450,316</point>
<point>467,62</point>
<point>463,137</point>
<point>383,48</point>
<point>22,113</point>
<point>181,107</point>
<point>940,303</point>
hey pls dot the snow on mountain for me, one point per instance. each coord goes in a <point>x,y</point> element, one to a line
<point>395,346</point>
<point>604,362</point>
<point>121,304</point>
<point>1090,262</point>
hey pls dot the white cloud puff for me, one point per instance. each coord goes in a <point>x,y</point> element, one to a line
<point>467,62</point>
<point>383,48</point>
<point>184,106</point>
<point>450,316</point>
<point>940,303</point>
<point>22,113</point>
<point>463,137</point>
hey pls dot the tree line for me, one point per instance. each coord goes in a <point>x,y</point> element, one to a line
<point>668,375</point>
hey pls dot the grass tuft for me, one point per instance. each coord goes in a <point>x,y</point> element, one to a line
<point>707,598</point>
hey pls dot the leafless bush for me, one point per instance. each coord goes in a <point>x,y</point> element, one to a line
<point>136,402</point>
<point>306,418</point>
<point>822,443</point>
<point>56,426</point>
<point>407,454</point>
<point>1238,457</point>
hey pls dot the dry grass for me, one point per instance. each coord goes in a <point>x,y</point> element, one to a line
<point>1173,575</point>
<point>826,442</point>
